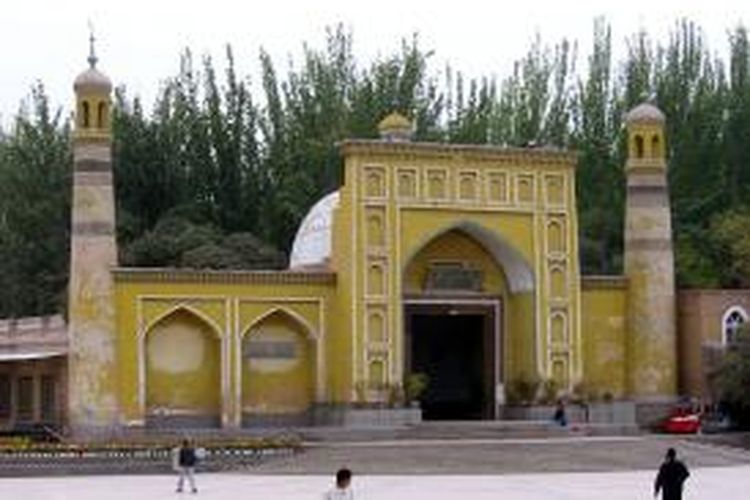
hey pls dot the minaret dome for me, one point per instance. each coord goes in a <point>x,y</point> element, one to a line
<point>92,89</point>
<point>645,124</point>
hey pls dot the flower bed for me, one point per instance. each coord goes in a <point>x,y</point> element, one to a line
<point>21,457</point>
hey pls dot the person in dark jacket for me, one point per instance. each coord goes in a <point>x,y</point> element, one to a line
<point>186,460</point>
<point>560,417</point>
<point>672,474</point>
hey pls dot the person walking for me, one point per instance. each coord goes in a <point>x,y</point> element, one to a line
<point>672,475</point>
<point>560,417</point>
<point>186,460</point>
<point>343,490</point>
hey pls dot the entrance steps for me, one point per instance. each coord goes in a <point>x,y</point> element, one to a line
<point>467,430</point>
<point>429,430</point>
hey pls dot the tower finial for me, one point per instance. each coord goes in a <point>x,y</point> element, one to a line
<point>92,53</point>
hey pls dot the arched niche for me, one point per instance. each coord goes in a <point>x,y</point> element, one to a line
<point>498,187</point>
<point>277,365</point>
<point>85,121</point>
<point>183,369</point>
<point>407,185</point>
<point>555,236</point>
<point>436,184</point>
<point>467,187</point>
<point>560,371</point>
<point>376,374</point>
<point>374,183</point>
<point>558,328</point>
<point>525,189</point>
<point>375,279</point>
<point>101,115</point>
<point>558,282</point>
<point>375,229</point>
<point>555,190</point>
<point>639,148</point>
<point>376,326</point>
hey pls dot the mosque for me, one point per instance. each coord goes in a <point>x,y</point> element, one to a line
<point>457,261</point>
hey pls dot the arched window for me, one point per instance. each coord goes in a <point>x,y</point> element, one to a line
<point>85,109</point>
<point>731,323</point>
<point>101,115</point>
<point>655,149</point>
<point>638,146</point>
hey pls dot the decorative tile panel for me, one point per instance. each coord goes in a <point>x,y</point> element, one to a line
<point>407,184</point>
<point>468,186</point>
<point>554,190</point>
<point>375,183</point>
<point>498,188</point>
<point>437,184</point>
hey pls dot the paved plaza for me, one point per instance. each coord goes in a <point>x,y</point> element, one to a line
<point>517,469</point>
<point>503,456</point>
<point>724,483</point>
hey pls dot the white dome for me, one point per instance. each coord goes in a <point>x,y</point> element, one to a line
<point>312,244</point>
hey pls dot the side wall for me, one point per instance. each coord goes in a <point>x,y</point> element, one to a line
<point>230,306</point>
<point>604,329</point>
<point>699,320</point>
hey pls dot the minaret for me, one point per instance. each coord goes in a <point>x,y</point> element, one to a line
<point>649,260</point>
<point>93,253</point>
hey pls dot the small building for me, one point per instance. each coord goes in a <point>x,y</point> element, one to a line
<point>33,363</point>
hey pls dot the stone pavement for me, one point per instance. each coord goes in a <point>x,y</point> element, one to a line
<point>721,483</point>
<point>503,456</point>
<point>518,469</point>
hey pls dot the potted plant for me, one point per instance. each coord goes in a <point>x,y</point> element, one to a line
<point>360,390</point>
<point>414,386</point>
<point>396,396</point>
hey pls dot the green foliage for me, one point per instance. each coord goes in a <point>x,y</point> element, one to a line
<point>522,391</point>
<point>584,393</point>
<point>550,392</point>
<point>414,386</point>
<point>733,379</point>
<point>179,242</point>
<point>219,172</point>
<point>35,189</point>
<point>731,238</point>
<point>396,396</point>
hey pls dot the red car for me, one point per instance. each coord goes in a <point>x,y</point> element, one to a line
<point>683,422</point>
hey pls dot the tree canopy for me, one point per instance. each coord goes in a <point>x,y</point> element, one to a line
<point>219,171</point>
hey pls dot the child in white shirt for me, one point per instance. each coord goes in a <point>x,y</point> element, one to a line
<point>343,490</point>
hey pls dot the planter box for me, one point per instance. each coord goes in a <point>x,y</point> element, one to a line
<point>368,417</point>
<point>617,412</point>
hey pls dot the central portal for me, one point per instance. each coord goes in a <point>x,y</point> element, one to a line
<point>454,346</point>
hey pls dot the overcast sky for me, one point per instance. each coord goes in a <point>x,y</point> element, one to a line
<point>139,40</point>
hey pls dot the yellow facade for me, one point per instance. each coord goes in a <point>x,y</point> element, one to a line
<point>424,238</point>
<point>401,199</point>
<point>226,311</point>
<point>604,313</point>
<point>231,346</point>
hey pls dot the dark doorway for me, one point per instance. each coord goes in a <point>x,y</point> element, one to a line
<point>454,349</point>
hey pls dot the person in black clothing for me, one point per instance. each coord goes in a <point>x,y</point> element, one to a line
<point>186,460</point>
<point>559,416</point>
<point>672,475</point>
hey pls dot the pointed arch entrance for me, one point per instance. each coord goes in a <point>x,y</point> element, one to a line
<point>457,287</point>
